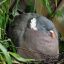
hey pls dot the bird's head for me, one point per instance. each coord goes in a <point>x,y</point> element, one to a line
<point>38,24</point>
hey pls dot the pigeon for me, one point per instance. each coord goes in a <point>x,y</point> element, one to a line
<point>35,36</point>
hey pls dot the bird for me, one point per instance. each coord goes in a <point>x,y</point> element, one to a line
<point>35,36</point>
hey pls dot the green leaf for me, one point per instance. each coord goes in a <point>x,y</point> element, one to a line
<point>2,61</point>
<point>19,58</point>
<point>2,2</point>
<point>6,54</point>
<point>59,13</point>
<point>56,2</point>
<point>48,5</point>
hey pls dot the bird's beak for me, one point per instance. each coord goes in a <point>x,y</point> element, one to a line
<point>52,34</point>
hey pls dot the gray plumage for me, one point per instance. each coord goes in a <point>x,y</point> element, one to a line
<point>32,43</point>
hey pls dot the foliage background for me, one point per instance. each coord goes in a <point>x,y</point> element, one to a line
<point>53,9</point>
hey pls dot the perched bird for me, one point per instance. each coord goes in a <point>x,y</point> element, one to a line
<point>35,35</point>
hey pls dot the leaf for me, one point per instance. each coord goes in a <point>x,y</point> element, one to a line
<point>2,60</point>
<point>6,54</point>
<point>56,2</point>
<point>48,5</point>
<point>19,58</point>
<point>59,13</point>
<point>4,10</point>
<point>2,2</point>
